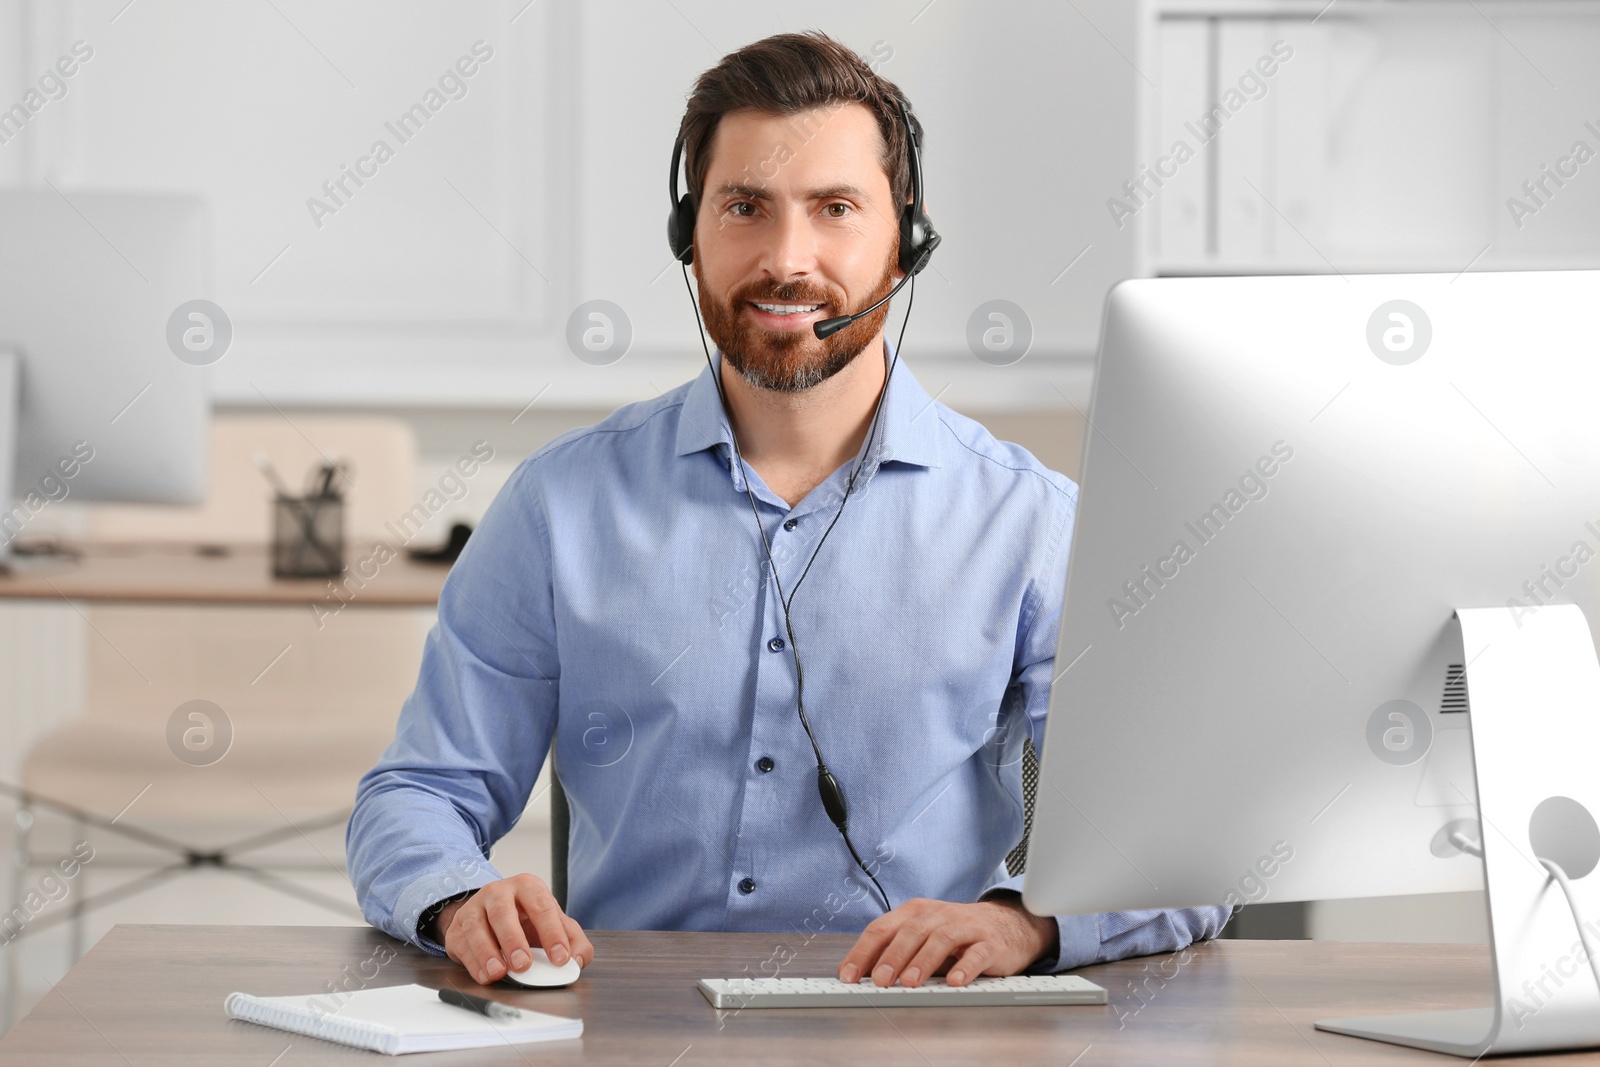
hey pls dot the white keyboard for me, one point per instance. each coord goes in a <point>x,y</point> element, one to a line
<point>832,993</point>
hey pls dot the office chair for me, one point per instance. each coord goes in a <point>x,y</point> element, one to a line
<point>561,823</point>
<point>1017,858</point>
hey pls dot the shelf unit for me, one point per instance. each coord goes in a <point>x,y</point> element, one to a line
<point>1383,136</point>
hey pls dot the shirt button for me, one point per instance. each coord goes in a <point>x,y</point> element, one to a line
<point>776,644</point>
<point>747,886</point>
<point>765,764</point>
<point>791,524</point>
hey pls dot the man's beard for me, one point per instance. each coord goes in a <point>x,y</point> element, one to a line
<point>788,362</point>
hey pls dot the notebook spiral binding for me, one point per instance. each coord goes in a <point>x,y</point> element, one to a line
<point>329,1028</point>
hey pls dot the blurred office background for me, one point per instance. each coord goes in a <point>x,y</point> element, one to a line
<point>429,306</point>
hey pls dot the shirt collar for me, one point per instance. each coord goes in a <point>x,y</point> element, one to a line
<point>908,426</point>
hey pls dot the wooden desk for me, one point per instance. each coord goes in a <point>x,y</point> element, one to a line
<point>180,574</point>
<point>153,995</point>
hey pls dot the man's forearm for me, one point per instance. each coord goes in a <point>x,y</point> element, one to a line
<point>1045,926</point>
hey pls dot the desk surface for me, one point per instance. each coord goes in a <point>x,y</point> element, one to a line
<point>153,995</point>
<point>180,574</point>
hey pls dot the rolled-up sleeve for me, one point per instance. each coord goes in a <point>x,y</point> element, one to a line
<point>473,734</point>
<point>1105,936</point>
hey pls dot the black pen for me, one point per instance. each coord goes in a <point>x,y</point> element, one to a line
<point>482,1005</point>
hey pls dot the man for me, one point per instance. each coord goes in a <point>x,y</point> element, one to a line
<point>616,608</point>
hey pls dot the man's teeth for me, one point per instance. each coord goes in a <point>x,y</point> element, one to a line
<point>788,309</point>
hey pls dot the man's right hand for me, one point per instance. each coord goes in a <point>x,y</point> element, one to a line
<point>490,932</point>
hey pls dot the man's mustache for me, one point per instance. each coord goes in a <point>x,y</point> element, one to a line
<point>785,294</point>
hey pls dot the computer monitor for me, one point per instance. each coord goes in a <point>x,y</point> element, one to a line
<point>1330,607</point>
<point>103,408</point>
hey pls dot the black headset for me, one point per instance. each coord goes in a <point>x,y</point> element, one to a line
<point>918,239</point>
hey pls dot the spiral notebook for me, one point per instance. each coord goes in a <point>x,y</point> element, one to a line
<point>396,1019</point>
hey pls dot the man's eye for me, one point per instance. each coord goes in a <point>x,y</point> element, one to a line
<point>844,209</point>
<point>736,205</point>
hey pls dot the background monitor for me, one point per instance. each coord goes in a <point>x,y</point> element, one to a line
<point>88,283</point>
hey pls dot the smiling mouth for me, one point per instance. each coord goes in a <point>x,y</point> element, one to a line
<point>784,309</point>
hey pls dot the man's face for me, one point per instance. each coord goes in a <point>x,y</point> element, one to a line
<point>796,211</point>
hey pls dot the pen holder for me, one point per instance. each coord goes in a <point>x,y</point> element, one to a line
<point>307,536</point>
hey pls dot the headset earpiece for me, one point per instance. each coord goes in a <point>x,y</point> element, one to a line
<point>680,224</point>
<point>918,238</point>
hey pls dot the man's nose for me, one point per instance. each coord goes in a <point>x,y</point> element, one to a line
<point>792,245</point>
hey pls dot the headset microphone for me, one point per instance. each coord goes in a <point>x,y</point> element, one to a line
<point>829,327</point>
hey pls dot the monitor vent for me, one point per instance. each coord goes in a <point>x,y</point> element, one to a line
<point>1455,689</point>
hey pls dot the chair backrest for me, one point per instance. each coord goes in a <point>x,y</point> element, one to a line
<point>560,834</point>
<point>1017,858</point>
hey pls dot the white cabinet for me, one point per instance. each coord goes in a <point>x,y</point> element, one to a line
<point>1389,136</point>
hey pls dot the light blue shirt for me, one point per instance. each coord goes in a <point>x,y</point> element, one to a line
<point>614,607</point>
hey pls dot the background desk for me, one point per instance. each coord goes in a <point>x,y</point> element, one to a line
<point>162,624</point>
<point>179,574</point>
<point>153,995</point>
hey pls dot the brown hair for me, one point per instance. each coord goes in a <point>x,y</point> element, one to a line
<point>784,75</point>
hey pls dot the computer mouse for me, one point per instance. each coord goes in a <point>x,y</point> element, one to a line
<point>541,973</point>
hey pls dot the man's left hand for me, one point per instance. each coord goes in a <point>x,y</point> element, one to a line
<point>922,937</point>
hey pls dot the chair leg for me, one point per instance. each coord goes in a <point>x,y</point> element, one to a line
<point>78,898</point>
<point>20,862</point>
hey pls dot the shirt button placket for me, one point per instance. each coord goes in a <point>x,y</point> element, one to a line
<point>773,709</point>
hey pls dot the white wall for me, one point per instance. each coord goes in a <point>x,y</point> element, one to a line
<point>447,277</point>
<point>1394,138</point>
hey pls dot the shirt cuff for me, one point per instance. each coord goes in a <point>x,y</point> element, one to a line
<point>431,888</point>
<point>1080,943</point>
